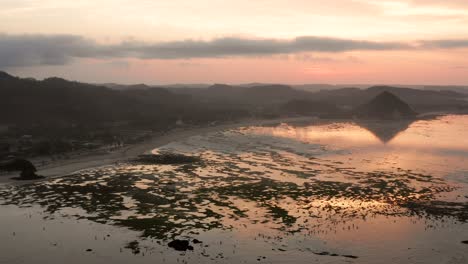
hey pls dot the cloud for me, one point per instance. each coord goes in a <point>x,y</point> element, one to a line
<point>445,43</point>
<point>440,3</point>
<point>34,50</point>
<point>223,47</point>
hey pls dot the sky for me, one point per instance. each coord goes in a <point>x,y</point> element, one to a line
<point>238,41</point>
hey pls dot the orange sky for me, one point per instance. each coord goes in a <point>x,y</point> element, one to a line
<point>386,41</point>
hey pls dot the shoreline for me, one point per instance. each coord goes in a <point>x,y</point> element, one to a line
<point>64,167</point>
<point>92,160</point>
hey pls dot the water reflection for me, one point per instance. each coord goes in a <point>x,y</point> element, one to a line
<point>352,133</point>
<point>344,134</point>
<point>300,181</point>
<point>385,131</point>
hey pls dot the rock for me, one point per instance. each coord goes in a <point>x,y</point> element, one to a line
<point>465,242</point>
<point>134,246</point>
<point>180,245</point>
<point>323,253</point>
<point>28,170</point>
<point>27,174</point>
<point>17,165</point>
<point>196,241</point>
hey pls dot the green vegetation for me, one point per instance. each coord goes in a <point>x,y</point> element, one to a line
<point>166,158</point>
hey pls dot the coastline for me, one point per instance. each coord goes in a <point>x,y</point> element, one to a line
<point>65,167</point>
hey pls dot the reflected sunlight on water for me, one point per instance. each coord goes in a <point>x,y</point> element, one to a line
<point>322,191</point>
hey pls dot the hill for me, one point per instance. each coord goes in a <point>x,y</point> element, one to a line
<point>420,100</point>
<point>310,107</point>
<point>251,96</point>
<point>385,106</point>
<point>58,101</point>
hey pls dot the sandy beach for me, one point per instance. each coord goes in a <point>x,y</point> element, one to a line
<point>63,167</point>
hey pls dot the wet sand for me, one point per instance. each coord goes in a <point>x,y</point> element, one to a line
<point>90,160</point>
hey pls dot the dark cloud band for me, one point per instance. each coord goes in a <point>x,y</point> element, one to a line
<point>33,50</point>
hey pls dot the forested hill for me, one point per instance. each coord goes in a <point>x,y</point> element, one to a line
<point>56,100</point>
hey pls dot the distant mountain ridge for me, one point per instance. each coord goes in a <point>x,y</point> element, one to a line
<point>58,100</point>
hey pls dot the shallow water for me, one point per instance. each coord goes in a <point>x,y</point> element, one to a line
<point>339,192</point>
